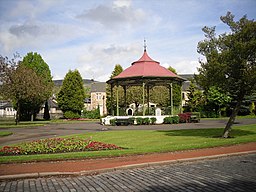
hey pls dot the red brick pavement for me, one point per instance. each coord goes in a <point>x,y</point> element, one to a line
<point>108,163</point>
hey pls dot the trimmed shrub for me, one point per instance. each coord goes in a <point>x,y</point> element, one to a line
<point>93,114</point>
<point>175,119</point>
<point>71,115</point>
<point>146,121</point>
<point>168,120</point>
<point>139,120</point>
<point>184,117</point>
<point>153,120</point>
<point>112,122</point>
<point>131,120</point>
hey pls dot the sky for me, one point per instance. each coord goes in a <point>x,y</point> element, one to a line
<point>93,36</point>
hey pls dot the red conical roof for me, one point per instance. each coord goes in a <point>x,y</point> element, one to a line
<point>145,67</point>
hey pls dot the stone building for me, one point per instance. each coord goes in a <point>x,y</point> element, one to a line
<point>6,109</point>
<point>98,97</point>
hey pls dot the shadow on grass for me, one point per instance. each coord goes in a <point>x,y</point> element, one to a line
<point>208,133</point>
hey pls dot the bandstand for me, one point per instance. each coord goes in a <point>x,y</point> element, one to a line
<point>146,73</point>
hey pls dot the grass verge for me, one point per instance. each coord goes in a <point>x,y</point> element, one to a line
<point>237,117</point>
<point>142,142</point>
<point>5,133</point>
<point>6,124</point>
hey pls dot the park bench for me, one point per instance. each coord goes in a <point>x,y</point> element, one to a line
<point>195,117</point>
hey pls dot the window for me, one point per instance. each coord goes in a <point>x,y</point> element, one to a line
<point>183,96</point>
<point>98,96</point>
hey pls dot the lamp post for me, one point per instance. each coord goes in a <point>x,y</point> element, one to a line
<point>103,98</point>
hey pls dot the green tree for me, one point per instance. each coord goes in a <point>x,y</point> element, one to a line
<point>196,98</point>
<point>217,99</point>
<point>36,63</point>
<point>170,68</point>
<point>230,61</point>
<point>23,87</point>
<point>176,90</point>
<point>71,96</point>
<point>161,95</point>
<point>117,70</point>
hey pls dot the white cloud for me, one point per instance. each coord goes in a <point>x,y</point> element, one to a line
<point>166,65</point>
<point>186,67</point>
<point>119,14</point>
<point>110,32</point>
<point>122,3</point>
<point>39,36</point>
<point>98,61</point>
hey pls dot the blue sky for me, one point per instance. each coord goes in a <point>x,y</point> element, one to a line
<point>95,35</point>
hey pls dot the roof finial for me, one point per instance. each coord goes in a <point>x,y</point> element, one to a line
<point>145,46</point>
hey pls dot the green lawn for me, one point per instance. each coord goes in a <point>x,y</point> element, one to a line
<point>141,142</point>
<point>5,133</point>
<point>238,117</point>
<point>11,123</point>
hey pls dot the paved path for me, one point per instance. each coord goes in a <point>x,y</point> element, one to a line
<point>53,130</point>
<point>92,166</point>
<point>236,173</point>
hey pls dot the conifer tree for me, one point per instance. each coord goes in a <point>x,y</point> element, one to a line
<point>72,94</point>
<point>117,70</point>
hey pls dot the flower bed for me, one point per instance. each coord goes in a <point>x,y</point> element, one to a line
<point>56,145</point>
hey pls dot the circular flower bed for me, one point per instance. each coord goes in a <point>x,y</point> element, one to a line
<point>56,145</point>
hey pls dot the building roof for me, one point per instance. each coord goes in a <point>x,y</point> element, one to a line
<point>185,85</point>
<point>86,82</point>
<point>5,104</point>
<point>98,87</point>
<point>52,103</point>
<point>187,77</point>
<point>146,67</point>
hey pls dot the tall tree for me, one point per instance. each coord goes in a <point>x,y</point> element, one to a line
<point>217,99</point>
<point>71,96</point>
<point>36,63</point>
<point>230,61</point>
<point>23,87</point>
<point>117,70</point>
<point>176,90</point>
<point>170,68</point>
<point>196,98</point>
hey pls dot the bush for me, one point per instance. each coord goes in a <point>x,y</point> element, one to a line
<point>93,114</point>
<point>71,115</point>
<point>175,119</point>
<point>131,120</point>
<point>113,122</point>
<point>184,117</point>
<point>168,120</point>
<point>139,120</point>
<point>209,114</point>
<point>153,120</point>
<point>146,121</point>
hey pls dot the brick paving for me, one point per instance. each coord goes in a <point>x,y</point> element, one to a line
<point>235,173</point>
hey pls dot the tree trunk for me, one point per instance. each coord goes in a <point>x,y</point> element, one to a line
<point>32,115</point>
<point>219,111</point>
<point>17,120</point>
<point>46,111</point>
<point>232,119</point>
